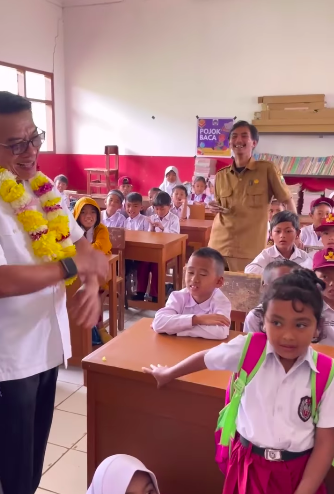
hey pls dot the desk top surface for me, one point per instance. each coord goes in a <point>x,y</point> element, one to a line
<point>196,224</point>
<point>152,239</point>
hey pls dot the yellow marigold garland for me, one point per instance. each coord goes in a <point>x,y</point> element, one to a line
<point>49,231</point>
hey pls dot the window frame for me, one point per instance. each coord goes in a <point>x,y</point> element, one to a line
<point>22,89</point>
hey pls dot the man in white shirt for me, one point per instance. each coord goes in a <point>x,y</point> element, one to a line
<point>284,232</point>
<point>34,329</point>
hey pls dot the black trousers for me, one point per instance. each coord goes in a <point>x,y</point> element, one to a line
<point>26,411</point>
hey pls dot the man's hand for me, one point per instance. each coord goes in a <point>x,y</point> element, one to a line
<point>92,263</point>
<point>86,305</point>
<point>161,374</point>
<point>215,208</point>
<point>211,320</point>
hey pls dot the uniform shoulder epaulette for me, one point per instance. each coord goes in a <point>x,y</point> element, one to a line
<point>225,168</point>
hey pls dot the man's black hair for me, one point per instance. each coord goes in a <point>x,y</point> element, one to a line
<point>278,263</point>
<point>252,129</point>
<point>162,199</point>
<point>285,217</point>
<point>134,197</point>
<point>13,103</point>
<point>209,253</point>
<point>180,187</point>
<point>61,178</point>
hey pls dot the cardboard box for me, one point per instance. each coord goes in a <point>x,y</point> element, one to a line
<point>293,106</point>
<point>291,128</point>
<point>299,98</point>
<point>315,115</point>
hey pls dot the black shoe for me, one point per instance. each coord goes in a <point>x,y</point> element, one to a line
<point>155,300</point>
<point>140,296</point>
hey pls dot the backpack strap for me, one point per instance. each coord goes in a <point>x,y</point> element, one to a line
<point>203,197</point>
<point>252,357</point>
<point>192,197</point>
<point>320,381</point>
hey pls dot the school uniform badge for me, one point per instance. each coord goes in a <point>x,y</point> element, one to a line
<point>305,408</point>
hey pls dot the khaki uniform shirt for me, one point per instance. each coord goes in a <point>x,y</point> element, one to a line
<point>242,233</point>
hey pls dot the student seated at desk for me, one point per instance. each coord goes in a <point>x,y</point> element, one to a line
<point>280,440</point>
<point>276,269</point>
<point>199,196</point>
<point>152,194</point>
<point>274,207</point>
<point>200,309</point>
<point>324,268</point>
<point>161,221</point>
<point>171,179</point>
<point>180,202</point>
<point>88,215</point>
<point>284,230</point>
<point>136,220</point>
<point>123,474</point>
<point>112,216</point>
<point>125,185</point>
<point>61,183</point>
<point>326,232</point>
<point>320,209</point>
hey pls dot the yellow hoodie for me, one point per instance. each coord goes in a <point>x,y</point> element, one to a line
<point>101,240</point>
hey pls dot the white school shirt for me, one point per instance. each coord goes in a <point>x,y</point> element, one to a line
<point>138,223</point>
<point>272,254</point>
<point>328,317</point>
<point>176,317</point>
<point>268,414</point>
<point>34,328</point>
<point>309,237</point>
<point>149,211</point>
<point>116,220</point>
<point>198,198</point>
<point>252,321</point>
<point>178,211</point>
<point>170,222</point>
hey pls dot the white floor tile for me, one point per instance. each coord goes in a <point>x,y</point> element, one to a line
<point>53,453</point>
<point>81,445</point>
<point>67,428</point>
<point>73,375</point>
<point>64,390</point>
<point>76,403</point>
<point>68,475</point>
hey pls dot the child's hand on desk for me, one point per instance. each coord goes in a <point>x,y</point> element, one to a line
<point>160,373</point>
<point>211,320</point>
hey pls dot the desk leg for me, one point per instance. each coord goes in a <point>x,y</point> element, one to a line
<point>113,301</point>
<point>161,282</point>
<point>181,261</point>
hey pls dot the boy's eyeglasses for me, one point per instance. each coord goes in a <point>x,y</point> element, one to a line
<point>22,147</point>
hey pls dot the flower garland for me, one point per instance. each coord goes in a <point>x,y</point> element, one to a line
<point>49,232</point>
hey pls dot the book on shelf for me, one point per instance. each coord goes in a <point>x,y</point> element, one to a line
<point>300,165</point>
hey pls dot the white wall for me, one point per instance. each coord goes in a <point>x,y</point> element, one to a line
<point>176,59</point>
<point>28,29</point>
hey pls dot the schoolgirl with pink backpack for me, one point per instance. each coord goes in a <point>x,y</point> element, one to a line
<point>276,433</point>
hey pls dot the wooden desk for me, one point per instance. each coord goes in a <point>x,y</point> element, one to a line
<point>81,340</point>
<point>209,215</point>
<point>170,430</point>
<point>197,230</point>
<point>159,248</point>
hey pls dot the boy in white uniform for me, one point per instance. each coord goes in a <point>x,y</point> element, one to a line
<point>180,202</point>
<point>136,220</point>
<point>200,309</point>
<point>284,230</point>
<point>320,209</point>
<point>323,265</point>
<point>112,216</point>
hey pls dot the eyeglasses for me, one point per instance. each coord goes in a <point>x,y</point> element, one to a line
<point>22,147</point>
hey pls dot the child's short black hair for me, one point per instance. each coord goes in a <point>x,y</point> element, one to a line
<point>117,193</point>
<point>134,197</point>
<point>285,217</point>
<point>180,187</point>
<point>208,253</point>
<point>162,199</point>
<point>200,179</point>
<point>279,263</point>
<point>302,285</point>
<point>61,178</point>
<point>155,189</point>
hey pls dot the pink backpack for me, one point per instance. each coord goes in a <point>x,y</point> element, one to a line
<point>253,356</point>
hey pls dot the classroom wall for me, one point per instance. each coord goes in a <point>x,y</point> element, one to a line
<point>28,37</point>
<point>172,59</point>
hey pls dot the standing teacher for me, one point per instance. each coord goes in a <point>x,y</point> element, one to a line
<point>243,191</point>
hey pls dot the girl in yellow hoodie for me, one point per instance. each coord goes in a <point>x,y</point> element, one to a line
<point>88,215</point>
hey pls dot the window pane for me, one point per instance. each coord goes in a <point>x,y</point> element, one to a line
<point>8,79</point>
<point>40,113</point>
<point>35,85</point>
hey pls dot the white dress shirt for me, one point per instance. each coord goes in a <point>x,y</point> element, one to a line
<point>177,316</point>
<point>199,198</point>
<point>149,211</point>
<point>268,412</point>
<point>309,237</point>
<point>34,328</point>
<point>252,321</point>
<point>138,223</point>
<point>328,317</point>
<point>116,220</point>
<point>170,222</point>
<point>178,211</point>
<point>272,254</point>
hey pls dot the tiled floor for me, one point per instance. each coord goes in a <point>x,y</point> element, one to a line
<point>65,462</point>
